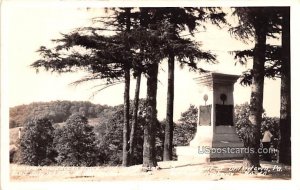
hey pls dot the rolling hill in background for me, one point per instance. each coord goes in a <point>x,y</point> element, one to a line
<point>56,111</point>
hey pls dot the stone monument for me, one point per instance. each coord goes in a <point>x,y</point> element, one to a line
<point>216,137</point>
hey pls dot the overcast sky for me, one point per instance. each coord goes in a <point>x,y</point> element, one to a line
<point>27,28</point>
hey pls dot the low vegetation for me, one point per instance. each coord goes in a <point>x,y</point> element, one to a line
<point>82,140</point>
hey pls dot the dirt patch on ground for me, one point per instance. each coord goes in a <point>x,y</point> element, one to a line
<point>172,170</point>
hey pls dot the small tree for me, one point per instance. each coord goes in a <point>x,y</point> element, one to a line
<point>241,116</point>
<point>186,128</point>
<point>36,143</point>
<point>75,143</point>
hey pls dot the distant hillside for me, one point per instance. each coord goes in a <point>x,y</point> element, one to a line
<point>57,111</point>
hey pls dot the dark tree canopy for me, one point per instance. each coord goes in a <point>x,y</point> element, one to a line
<point>75,143</point>
<point>36,143</point>
<point>245,31</point>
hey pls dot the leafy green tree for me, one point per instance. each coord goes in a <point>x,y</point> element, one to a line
<point>36,143</point>
<point>111,58</point>
<point>107,65</point>
<point>110,135</point>
<point>75,143</point>
<point>186,127</point>
<point>111,138</point>
<point>149,154</point>
<point>178,19</point>
<point>127,66</point>
<point>277,65</point>
<point>257,22</point>
<point>157,35</point>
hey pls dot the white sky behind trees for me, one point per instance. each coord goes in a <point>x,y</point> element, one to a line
<point>27,28</point>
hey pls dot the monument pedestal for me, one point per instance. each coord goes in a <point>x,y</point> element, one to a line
<point>216,137</point>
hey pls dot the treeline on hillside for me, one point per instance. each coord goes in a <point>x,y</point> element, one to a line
<point>105,139</point>
<point>56,111</point>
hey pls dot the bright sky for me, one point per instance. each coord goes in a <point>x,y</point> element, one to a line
<point>27,28</point>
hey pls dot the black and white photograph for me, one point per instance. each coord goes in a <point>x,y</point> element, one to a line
<point>122,93</point>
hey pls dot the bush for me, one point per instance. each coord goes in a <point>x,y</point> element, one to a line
<point>243,125</point>
<point>185,130</point>
<point>75,143</point>
<point>36,143</point>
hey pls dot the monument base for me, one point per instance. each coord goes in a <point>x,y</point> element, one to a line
<point>191,154</point>
<point>209,145</point>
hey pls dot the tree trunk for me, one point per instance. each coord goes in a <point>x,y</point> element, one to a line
<point>125,158</point>
<point>285,96</point>
<point>135,117</point>
<point>257,90</point>
<point>149,156</point>
<point>168,141</point>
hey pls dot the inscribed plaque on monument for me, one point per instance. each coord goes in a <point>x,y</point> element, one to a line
<point>224,114</point>
<point>205,115</point>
